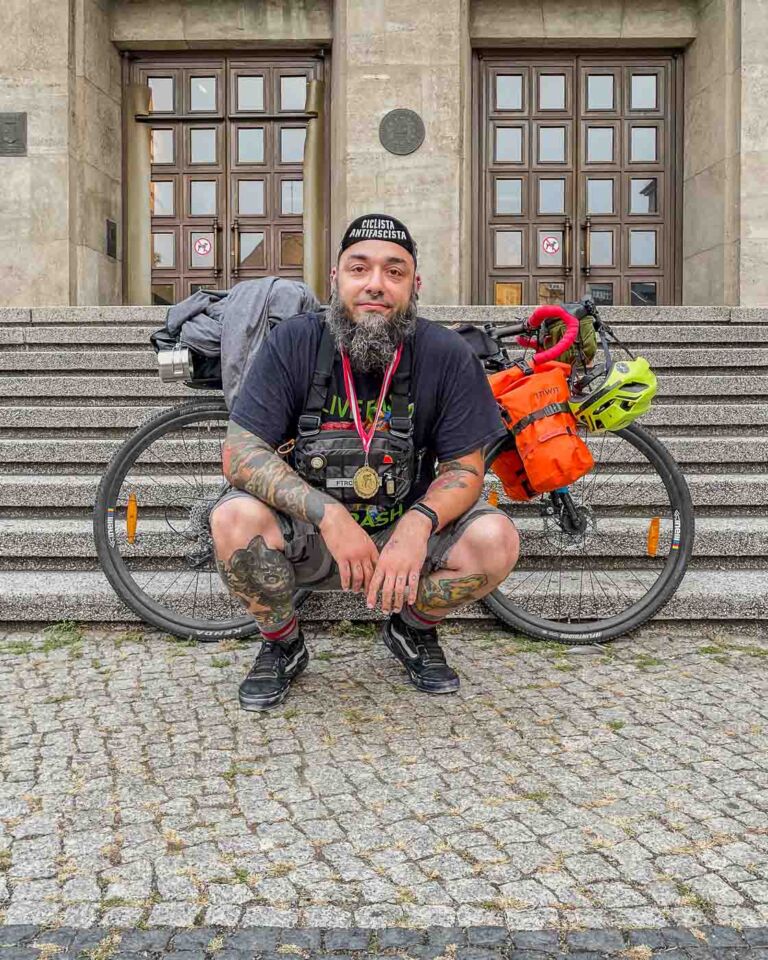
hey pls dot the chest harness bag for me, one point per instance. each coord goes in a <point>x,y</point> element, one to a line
<point>549,453</point>
<point>330,456</point>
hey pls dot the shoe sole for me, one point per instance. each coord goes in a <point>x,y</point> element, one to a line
<point>256,704</point>
<point>447,687</point>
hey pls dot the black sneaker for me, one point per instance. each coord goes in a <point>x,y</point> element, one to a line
<point>273,670</point>
<point>421,655</point>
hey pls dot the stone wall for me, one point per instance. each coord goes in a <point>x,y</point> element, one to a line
<point>588,23</point>
<point>711,157</point>
<point>753,184</point>
<point>35,232</point>
<point>389,54</point>
<point>189,24</point>
<point>95,155</point>
<point>61,65</point>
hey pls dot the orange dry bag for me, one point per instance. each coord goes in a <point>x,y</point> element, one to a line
<point>536,407</point>
<point>508,466</point>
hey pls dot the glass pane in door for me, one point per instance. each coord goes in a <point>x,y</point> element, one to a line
<point>600,92</point>
<point>551,196</point>
<point>202,198</point>
<point>252,253</point>
<point>509,196</point>
<point>161,94</point>
<point>250,93</point>
<point>202,94</point>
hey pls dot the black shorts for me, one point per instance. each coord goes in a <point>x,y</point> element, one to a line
<point>314,566</point>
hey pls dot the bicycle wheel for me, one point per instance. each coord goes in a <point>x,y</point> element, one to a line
<point>151,524</point>
<point>611,569</point>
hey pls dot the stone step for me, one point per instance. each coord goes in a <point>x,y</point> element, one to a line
<point>51,492</point>
<point>619,537</point>
<point>44,361</point>
<point>124,418</point>
<point>118,387</point>
<point>447,313</point>
<point>74,595</point>
<point>739,450</point>
<point>91,418</point>
<point>84,335</point>
<point>723,386</point>
<point>137,334</point>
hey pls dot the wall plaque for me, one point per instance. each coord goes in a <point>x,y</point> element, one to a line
<point>13,134</point>
<point>401,131</point>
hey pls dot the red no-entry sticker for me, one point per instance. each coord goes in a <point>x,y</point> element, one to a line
<point>203,246</point>
<point>550,245</point>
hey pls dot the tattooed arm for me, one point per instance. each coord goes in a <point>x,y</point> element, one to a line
<point>252,465</point>
<point>455,489</point>
<point>457,486</point>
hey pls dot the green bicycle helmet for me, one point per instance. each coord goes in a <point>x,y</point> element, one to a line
<point>624,395</point>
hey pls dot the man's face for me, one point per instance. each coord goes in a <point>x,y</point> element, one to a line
<point>375,277</point>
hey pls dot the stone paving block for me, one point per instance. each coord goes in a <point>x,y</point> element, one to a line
<point>15,934</point>
<point>487,936</point>
<point>394,937</point>
<point>144,941</point>
<point>351,939</point>
<point>607,941</point>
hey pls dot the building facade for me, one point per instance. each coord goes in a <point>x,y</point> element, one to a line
<point>548,148</point>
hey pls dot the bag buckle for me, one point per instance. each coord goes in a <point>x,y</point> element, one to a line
<point>401,426</point>
<point>309,425</point>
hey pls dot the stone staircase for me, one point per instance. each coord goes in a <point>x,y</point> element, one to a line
<point>74,382</point>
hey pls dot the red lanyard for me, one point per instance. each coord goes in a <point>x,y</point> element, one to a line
<point>367,436</point>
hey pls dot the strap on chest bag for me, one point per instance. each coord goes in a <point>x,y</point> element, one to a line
<point>400,423</point>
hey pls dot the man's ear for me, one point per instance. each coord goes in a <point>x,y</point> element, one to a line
<point>417,282</point>
<point>333,275</point>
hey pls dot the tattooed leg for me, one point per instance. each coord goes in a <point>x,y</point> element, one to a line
<point>251,561</point>
<point>477,563</point>
<point>263,579</point>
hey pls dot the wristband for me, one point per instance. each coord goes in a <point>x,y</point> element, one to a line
<point>428,512</point>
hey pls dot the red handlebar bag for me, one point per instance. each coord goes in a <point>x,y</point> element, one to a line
<point>535,406</point>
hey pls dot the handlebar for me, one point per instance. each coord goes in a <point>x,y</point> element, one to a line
<point>541,314</point>
<point>554,312</point>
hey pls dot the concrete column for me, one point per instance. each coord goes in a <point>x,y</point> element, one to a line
<point>95,155</point>
<point>389,54</point>
<point>753,261</point>
<point>315,226</point>
<point>137,213</point>
<point>711,162</point>
<point>35,246</point>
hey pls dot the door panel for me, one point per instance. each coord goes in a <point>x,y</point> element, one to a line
<point>227,195</point>
<point>578,180</point>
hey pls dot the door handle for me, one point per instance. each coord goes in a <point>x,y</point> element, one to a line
<point>567,253</point>
<point>236,247</point>
<point>586,268</point>
<point>216,248</point>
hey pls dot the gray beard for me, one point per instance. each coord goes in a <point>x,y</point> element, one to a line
<point>370,342</point>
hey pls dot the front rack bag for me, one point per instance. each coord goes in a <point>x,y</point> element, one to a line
<point>549,453</point>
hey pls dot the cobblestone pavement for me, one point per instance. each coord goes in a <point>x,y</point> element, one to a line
<point>560,791</point>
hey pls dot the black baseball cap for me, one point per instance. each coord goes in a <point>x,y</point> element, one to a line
<point>378,226</point>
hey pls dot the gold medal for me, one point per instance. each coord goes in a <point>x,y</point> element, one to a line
<point>366,482</point>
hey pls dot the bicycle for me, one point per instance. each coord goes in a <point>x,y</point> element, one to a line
<point>599,558</point>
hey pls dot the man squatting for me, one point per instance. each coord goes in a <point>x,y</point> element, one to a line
<point>421,557</point>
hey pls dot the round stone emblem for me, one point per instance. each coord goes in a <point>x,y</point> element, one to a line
<point>401,131</point>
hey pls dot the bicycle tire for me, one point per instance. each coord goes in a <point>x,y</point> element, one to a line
<point>115,569</point>
<point>601,631</point>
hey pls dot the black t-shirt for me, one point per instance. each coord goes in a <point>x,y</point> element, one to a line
<point>454,411</point>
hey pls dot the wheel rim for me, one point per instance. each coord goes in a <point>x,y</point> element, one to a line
<point>592,580</point>
<point>169,569</point>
